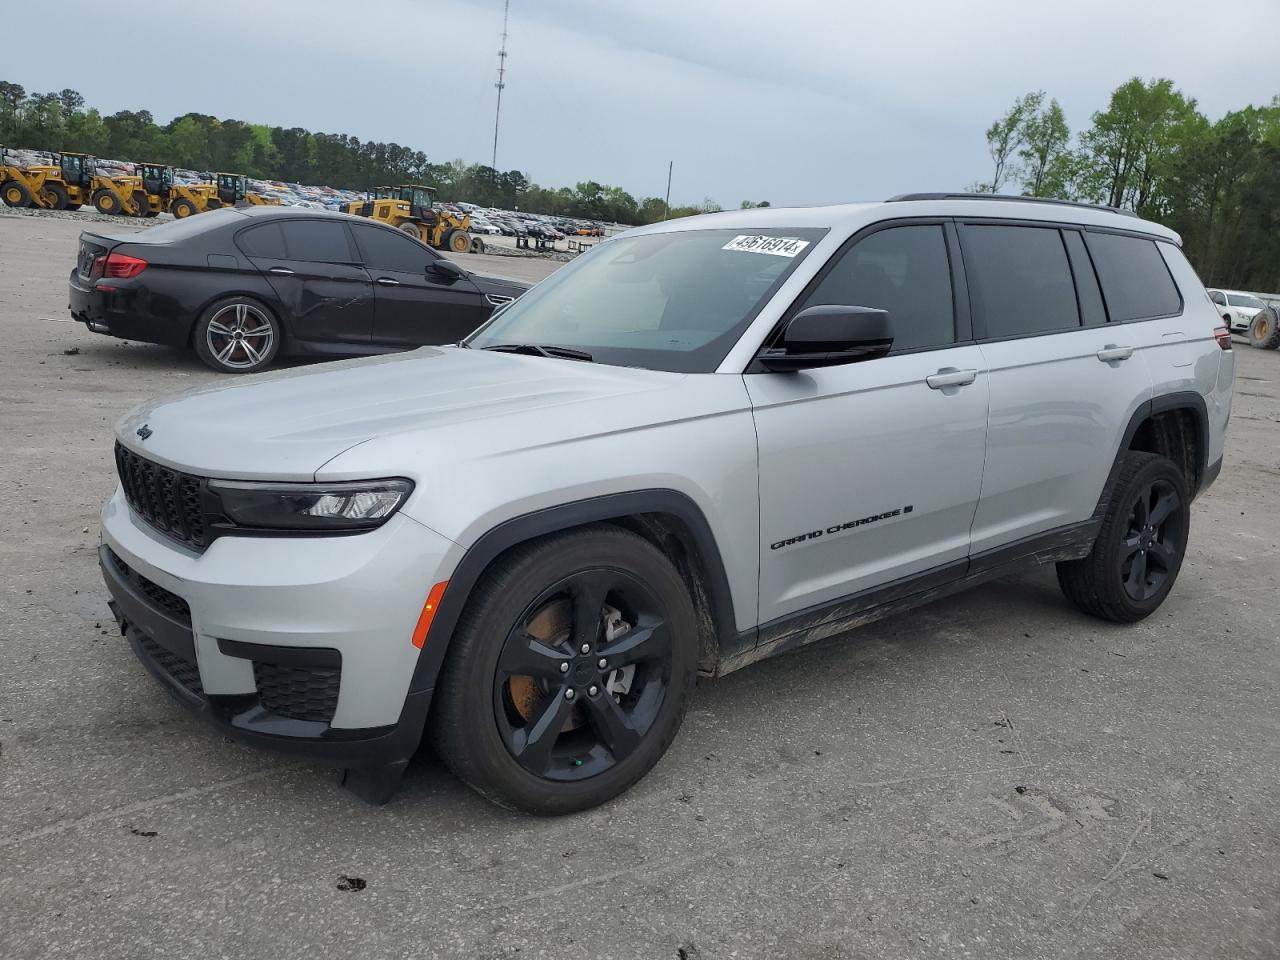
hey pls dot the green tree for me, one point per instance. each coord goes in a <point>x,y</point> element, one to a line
<point>1006,137</point>
<point>1045,144</point>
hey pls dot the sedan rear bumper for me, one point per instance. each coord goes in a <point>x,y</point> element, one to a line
<point>117,308</point>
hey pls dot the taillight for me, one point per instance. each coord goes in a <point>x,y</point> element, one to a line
<point>1223,336</point>
<point>120,266</point>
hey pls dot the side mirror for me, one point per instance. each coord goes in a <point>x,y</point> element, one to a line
<point>446,270</point>
<point>827,336</point>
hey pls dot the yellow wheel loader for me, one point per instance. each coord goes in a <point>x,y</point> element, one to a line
<point>21,186</point>
<point>412,209</point>
<point>66,184</point>
<point>233,189</point>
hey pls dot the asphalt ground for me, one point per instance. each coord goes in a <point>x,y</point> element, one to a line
<point>994,775</point>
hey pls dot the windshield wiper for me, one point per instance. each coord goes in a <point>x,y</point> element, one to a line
<point>540,350</point>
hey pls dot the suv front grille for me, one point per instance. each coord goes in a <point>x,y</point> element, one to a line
<point>166,499</point>
<point>299,692</point>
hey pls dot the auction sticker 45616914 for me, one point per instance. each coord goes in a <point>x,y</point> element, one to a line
<point>775,246</point>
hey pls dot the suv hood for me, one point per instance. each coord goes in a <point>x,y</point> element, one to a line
<point>286,426</point>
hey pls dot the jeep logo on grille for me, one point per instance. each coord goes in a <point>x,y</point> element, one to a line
<point>144,431</point>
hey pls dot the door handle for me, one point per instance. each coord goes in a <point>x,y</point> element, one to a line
<point>280,271</point>
<point>950,377</point>
<point>1113,354</point>
<point>387,282</point>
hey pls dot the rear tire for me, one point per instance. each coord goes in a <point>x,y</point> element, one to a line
<point>142,203</point>
<point>1136,558</point>
<point>237,335</point>
<point>477,245</point>
<point>1264,329</point>
<point>182,208</point>
<point>15,194</point>
<point>573,734</point>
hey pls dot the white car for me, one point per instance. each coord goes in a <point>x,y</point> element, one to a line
<point>1237,308</point>
<point>480,225</point>
<point>701,443</point>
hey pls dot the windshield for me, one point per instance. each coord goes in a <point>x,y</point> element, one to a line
<point>1244,300</point>
<point>663,301</point>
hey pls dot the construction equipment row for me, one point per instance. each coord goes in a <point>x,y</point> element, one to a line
<point>73,180</point>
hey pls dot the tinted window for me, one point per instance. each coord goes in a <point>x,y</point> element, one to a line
<point>316,240</point>
<point>1019,280</point>
<point>1134,277</point>
<point>903,270</point>
<point>264,241</point>
<point>1092,310</point>
<point>388,250</point>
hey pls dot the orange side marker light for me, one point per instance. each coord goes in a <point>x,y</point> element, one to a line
<point>428,613</point>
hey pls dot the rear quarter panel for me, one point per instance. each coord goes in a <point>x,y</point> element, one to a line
<point>1182,354</point>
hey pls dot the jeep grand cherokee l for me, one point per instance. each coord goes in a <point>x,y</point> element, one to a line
<point>702,443</point>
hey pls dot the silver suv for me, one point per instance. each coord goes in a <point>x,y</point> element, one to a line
<point>702,443</point>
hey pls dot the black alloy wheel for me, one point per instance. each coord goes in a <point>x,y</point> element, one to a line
<point>1154,541</point>
<point>582,675</point>
<point>568,671</point>
<point>1139,548</point>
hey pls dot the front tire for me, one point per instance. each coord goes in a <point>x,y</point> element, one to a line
<point>182,208</point>
<point>1139,550</point>
<point>237,335</point>
<point>56,195</point>
<point>568,673</point>
<point>15,194</point>
<point>105,201</point>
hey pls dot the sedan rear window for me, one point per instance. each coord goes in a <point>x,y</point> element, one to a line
<point>318,241</point>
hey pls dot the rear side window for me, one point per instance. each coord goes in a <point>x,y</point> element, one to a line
<point>266,241</point>
<point>1020,281</point>
<point>388,250</point>
<point>1244,300</point>
<point>903,270</point>
<point>319,241</point>
<point>1135,280</point>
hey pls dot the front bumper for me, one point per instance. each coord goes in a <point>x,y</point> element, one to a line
<point>297,644</point>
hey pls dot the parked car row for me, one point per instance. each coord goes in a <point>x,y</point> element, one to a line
<point>242,287</point>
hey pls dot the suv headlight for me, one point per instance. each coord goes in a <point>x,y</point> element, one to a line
<point>361,505</point>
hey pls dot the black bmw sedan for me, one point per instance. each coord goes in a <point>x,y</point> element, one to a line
<point>244,286</point>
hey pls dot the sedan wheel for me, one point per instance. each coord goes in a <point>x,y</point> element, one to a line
<point>237,336</point>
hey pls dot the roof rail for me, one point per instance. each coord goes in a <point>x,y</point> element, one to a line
<point>1010,198</point>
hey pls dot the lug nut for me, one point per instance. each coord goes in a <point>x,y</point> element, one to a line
<point>603,663</point>
<point>569,694</point>
<point>564,666</point>
<point>586,648</point>
<point>593,690</point>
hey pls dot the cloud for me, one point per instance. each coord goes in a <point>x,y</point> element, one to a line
<point>798,102</point>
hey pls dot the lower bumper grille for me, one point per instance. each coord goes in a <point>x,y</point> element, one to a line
<point>185,673</point>
<point>297,691</point>
<point>165,600</point>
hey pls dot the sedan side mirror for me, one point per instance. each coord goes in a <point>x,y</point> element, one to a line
<point>826,336</point>
<point>446,270</point>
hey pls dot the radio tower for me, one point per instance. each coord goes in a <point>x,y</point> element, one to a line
<point>502,69</point>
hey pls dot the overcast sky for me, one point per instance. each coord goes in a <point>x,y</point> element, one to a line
<point>802,101</point>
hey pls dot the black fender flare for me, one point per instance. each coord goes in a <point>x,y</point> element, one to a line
<point>1178,400</point>
<point>563,517</point>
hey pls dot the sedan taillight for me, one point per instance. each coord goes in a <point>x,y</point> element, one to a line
<point>118,266</point>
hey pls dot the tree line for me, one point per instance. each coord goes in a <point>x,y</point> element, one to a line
<point>197,141</point>
<point>1154,152</point>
